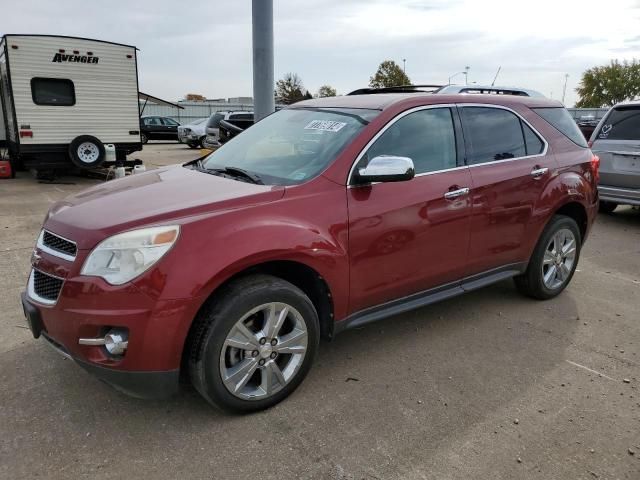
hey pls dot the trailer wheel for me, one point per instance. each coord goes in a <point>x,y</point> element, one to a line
<point>86,152</point>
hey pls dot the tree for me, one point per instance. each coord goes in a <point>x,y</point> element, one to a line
<point>606,85</point>
<point>389,74</point>
<point>195,97</point>
<point>327,91</point>
<point>289,89</point>
<point>308,96</point>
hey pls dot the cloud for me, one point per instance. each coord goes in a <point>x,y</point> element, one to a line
<point>205,47</point>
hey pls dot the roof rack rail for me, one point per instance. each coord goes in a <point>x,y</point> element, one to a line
<point>397,89</point>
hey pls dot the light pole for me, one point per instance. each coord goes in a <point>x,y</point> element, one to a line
<point>404,67</point>
<point>466,75</point>
<point>564,89</point>
<point>455,75</point>
<point>262,16</point>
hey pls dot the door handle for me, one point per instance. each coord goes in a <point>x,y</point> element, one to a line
<point>538,172</point>
<point>456,193</point>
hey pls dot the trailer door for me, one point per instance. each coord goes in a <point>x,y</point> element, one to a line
<point>5,97</point>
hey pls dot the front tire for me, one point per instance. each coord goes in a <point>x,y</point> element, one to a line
<point>607,207</point>
<point>554,259</point>
<point>144,138</point>
<point>253,344</point>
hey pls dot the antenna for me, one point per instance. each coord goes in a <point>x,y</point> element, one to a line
<point>496,77</point>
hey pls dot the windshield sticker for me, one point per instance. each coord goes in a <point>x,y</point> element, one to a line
<point>325,125</point>
<point>604,133</point>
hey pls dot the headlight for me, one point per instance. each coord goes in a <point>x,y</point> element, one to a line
<point>123,257</point>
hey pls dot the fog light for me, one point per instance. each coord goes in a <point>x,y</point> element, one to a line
<point>115,341</point>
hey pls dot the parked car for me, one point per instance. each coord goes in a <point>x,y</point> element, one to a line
<point>616,140</point>
<point>587,124</point>
<point>327,215</point>
<point>193,133</point>
<point>231,128</point>
<point>238,118</point>
<point>158,128</point>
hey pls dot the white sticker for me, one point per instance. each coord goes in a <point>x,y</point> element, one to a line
<point>325,125</point>
<point>604,133</point>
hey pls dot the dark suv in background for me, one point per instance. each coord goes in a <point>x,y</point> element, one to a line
<point>616,141</point>
<point>327,215</point>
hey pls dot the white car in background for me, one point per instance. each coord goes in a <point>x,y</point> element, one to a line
<point>193,133</point>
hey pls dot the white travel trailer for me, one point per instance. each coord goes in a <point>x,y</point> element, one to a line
<point>64,99</point>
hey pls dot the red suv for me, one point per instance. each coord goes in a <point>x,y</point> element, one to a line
<point>327,215</point>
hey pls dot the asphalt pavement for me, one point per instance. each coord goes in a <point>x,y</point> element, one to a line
<point>491,385</point>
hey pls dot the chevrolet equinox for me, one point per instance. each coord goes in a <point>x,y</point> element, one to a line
<point>327,215</point>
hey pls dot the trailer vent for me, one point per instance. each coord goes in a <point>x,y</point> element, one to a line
<point>59,244</point>
<point>46,286</point>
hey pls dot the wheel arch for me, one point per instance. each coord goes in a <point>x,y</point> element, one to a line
<point>300,274</point>
<point>577,211</point>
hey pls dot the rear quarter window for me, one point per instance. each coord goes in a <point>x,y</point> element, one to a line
<point>562,121</point>
<point>622,123</point>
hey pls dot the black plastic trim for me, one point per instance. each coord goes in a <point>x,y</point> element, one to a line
<point>147,385</point>
<point>427,297</point>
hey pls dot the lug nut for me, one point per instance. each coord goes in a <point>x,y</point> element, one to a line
<point>273,355</point>
<point>263,340</point>
<point>254,353</point>
<point>261,362</point>
<point>274,341</point>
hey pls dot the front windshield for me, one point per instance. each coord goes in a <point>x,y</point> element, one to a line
<point>291,146</point>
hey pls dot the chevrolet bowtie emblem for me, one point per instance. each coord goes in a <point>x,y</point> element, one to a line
<point>35,258</point>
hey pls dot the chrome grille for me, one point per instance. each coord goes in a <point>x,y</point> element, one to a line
<point>59,244</point>
<point>45,286</point>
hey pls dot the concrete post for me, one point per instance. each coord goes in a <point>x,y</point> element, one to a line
<point>263,83</point>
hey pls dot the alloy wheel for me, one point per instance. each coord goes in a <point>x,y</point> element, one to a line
<point>263,351</point>
<point>559,259</point>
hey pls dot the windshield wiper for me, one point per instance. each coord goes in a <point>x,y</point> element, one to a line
<point>238,172</point>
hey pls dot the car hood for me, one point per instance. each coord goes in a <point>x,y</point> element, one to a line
<point>165,195</point>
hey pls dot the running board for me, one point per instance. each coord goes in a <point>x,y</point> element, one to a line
<point>433,295</point>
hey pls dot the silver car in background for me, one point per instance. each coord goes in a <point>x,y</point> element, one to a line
<point>616,140</point>
<point>192,133</point>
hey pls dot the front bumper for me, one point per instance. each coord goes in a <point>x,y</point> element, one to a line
<point>624,196</point>
<point>150,366</point>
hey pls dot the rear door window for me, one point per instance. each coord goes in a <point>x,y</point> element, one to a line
<point>53,91</point>
<point>623,123</point>
<point>492,134</point>
<point>561,119</point>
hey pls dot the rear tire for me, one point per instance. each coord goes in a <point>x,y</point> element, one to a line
<point>240,361</point>
<point>607,207</point>
<point>554,260</point>
<point>143,138</point>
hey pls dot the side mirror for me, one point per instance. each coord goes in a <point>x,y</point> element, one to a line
<point>385,168</point>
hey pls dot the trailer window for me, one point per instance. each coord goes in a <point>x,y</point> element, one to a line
<point>53,91</point>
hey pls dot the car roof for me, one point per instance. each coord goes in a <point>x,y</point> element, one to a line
<point>382,101</point>
<point>630,103</point>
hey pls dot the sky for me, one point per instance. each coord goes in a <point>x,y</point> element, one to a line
<point>204,47</point>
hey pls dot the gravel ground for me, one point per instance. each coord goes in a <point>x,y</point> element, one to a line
<point>490,385</point>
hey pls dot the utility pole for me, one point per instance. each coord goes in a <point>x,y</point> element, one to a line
<point>404,66</point>
<point>564,89</point>
<point>263,83</point>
